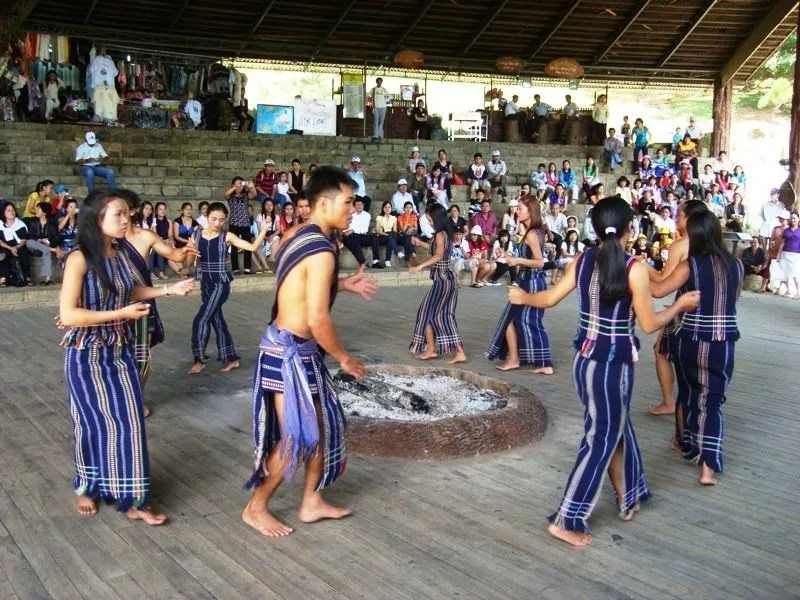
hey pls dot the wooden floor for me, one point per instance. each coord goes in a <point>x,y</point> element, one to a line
<point>472,528</point>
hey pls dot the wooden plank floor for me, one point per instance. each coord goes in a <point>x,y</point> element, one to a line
<point>472,528</point>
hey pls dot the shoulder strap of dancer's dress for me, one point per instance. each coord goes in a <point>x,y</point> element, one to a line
<point>308,241</point>
<point>140,272</point>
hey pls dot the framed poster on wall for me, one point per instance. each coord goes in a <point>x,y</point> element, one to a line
<point>274,119</point>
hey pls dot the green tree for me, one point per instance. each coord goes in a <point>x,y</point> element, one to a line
<point>770,87</point>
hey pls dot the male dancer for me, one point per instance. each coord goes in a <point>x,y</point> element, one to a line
<point>297,416</point>
<point>678,252</point>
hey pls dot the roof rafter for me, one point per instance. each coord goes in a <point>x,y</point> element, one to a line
<point>688,31</point>
<point>495,13</point>
<point>555,27</point>
<point>332,30</point>
<point>260,20</point>
<point>421,15</point>
<point>177,18</point>
<point>90,12</point>
<point>623,29</point>
<point>20,11</point>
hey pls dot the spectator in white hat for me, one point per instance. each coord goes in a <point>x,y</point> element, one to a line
<point>358,174</point>
<point>497,174</point>
<point>91,156</point>
<point>414,160</point>
<point>401,196</point>
<point>265,181</point>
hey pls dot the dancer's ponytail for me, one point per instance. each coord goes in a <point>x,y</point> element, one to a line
<point>611,218</point>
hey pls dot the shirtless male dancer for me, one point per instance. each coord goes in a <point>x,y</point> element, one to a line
<point>297,416</point>
<point>678,252</point>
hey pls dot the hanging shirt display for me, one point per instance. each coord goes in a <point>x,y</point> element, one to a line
<point>102,71</point>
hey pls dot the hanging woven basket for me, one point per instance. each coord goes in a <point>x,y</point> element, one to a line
<point>509,65</point>
<point>564,68</point>
<point>409,59</point>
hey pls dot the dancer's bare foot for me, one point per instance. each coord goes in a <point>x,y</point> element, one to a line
<point>573,538</point>
<point>707,476</point>
<point>264,522</point>
<point>234,364</point>
<point>146,411</point>
<point>508,365</point>
<point>675,446</point>
<point>197,367</point>
<point>147,515</point>
<point>427,355</point>
<point>319,510</point>
<point>542,371</point>
<point>630,513</point>
<point>86,506</point>
<point>460,357</point>
<point>661,409</point>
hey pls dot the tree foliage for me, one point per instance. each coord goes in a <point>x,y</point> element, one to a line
<point>772,85</point>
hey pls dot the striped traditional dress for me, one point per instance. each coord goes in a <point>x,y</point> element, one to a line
<point>438,308</point>
<point>215,286</point>
<point>147,331</point>
<point>606,350</point>
<point>704,353</point>
<point>294,366</point>
<point>105,397</point>
<point>532,339</point>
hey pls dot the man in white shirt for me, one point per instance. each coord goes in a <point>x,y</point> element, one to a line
<point>380,98</point>
<point>357,235</point>
<point>721,162</point>
<point>557,223</point>
<point>570,111</point>
<point>358,174</point>
<point>400,197</point>
<point>91,156</point>
<point>769,218</point>
<point>512,109</point>
<point>497,174</point>
<point>693,130</point>
<point>664,220</point>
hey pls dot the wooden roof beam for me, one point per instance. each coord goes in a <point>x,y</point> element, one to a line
<point>688,31</point>
<point>177,19</point>
<point>421,15</point>
<point>20,11</point>
<point>770,55</point>
<point>332,30</point>
<point>774,17</point>
<point>622,31</point>
<point>483,29</point>
<point>561,20</point>
<point>260,20</point>
<point>90,12</point>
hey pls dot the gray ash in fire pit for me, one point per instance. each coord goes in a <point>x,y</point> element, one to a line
<point>425,397</point>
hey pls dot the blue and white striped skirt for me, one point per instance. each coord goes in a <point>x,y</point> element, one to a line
<point>438,309</point>
<point>109,439</point>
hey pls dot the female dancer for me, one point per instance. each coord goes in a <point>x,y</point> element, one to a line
<point>105,396</point>
<point>436,331</point>
<point>704,341</point>
<point>613,290</point>
<point>520,338</point>
<point>215,280</point>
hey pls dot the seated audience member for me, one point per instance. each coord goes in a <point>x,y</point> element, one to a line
<point>268,217</point>
<point>552,176</point>
<point>458,222</point>
<point>646,170</point>
<point>664,237</point>
<point>303,208</point>
<point>642,248</point>
<point>460,257</point>
<point>184,225</point>
<point>43,239</point>
<point>414,160</point>
<point>624,190</point>
<point>612,150</point>
<point>596,193</point>
<point>510,223</point>
<point>660,162</point>
<point>202,214</point>
<point>42,193</point>
<point>478,176</point>
<point>68,229</point>
<point>713,204</point>
<point>400,197</point>
<point>589,176</point>
<point>637,189</point>
<point>478,250</point>
<point>738,174</point>
<point>539,181</point>
<point>357,236</point>
<point>91,157</point>
<point>707,179</point>
<point>665,179</point>
<point>418,187</point>
<point>734,215</point>
<point>717,196</point>
<point>297,179</point>
<point>721,163</point>
<point>672,202</point>
<point>475,205</point>
<point>647,212</point>
<point>676,138</point>
<point>524,190</point>
<point>358,173</point>
<point>385,235</point>
<point>15,259</point>
<point>558,197</point>
<point>685,176</point>
<point>675,187</point>
<point>589,235</point>
<point>283,190</point>
<point>407,229</point>
<point>754,260</point>
<point>288,218</point>
<point>687,150</point>
<point>652,187</point>
<point>60,195</point>
<point>497,174</point>
<point>733,189</point>
<point>568,251</point>
<point>568,180</point>
<point>556,222</point>
<point>436,184</point>
<point>265,181</point>
<point>502,249</point>
<point>487,221</point>
<point>663,221</point>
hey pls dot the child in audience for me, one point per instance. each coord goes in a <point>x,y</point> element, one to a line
<point>539,181</point>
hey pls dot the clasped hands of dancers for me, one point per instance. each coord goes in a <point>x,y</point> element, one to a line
<point>297,416</point>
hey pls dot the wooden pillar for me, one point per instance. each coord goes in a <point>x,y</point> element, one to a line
<point>721,136</point>
<point>794,135</point>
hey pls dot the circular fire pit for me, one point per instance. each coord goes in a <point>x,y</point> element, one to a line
<point>500,416</point>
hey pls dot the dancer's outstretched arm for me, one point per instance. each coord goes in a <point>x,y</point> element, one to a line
<point>549,297</point>
<point>360,284</point>
<point>649,319</point>
<point>253,246</point>
<point>673,282</point>
<point>180,288</point>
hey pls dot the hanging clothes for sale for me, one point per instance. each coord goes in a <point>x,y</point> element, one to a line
<point>105,99</point>
<point>101,72</point>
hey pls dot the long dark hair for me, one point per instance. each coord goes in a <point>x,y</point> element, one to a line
<point>155,211</point>
<point>611,219</point>
<point>141,220</point>
<point>705,238</point>
<point>440,220</point>
<point>90,236</point>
